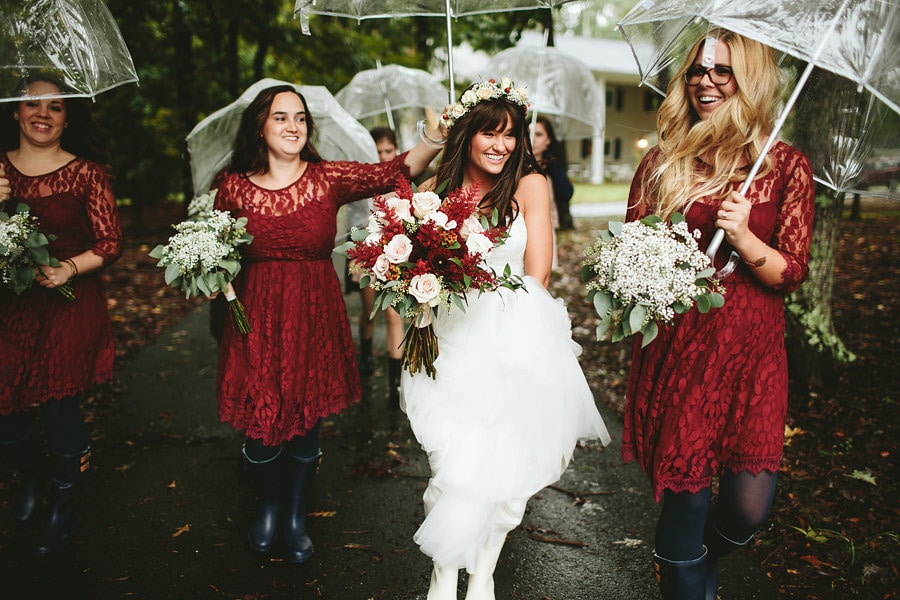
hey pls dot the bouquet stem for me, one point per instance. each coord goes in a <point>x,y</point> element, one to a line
<point>421,350</point>
<point>237,311</point>
<point>67,291</point>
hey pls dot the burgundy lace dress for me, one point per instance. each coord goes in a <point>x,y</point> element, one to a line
<point>710,392</point>
<point>53,348</point>
<point>297,364</point>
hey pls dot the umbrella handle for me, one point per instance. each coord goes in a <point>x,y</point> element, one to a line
<point>733,259</point>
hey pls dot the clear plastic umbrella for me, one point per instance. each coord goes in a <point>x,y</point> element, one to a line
<point>558,84</point>
<point>390,88</point>
<point>857,39</point>
<point>74,41</point>
<point>340,136</point>
<point>447,9</point>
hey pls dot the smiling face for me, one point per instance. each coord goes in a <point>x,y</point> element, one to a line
<point>43,120</point>
<point>285,130</point>
<point>489,150</point>
<point>705,97</point>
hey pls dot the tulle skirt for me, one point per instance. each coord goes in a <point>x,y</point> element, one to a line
<point>501,419</point>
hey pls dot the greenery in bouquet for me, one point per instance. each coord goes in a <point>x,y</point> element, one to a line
<point>203,257</point>
<point>642,273</point>
<point>421,253</point>
<point>23,251</point>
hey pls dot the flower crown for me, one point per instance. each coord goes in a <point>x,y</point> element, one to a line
<point>486,90</point>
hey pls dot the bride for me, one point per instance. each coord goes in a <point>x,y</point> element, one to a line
<point>501,419</point>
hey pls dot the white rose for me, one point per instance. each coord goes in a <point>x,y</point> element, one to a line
<point>441,219</point>
<point>426,289</point>
<point>398,249</point>
<point>424,203</point>
<point>457,110</point>
<point>381,267</point>
<point>470,226</point>
<point>506,83</point>
<point>486,92</point>
<point>401,207</point>
<point>373,239</point>
<point>468,97</point>
<point>374,226</point>
<point>479,243</point>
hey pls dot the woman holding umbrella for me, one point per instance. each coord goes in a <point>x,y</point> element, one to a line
<point>297,364</point>
<point>708,397</point>
<point>56,349</point>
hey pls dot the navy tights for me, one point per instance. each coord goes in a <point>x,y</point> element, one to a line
<point>742,508</point>
<point>66,432</point>
<point>301,446</point>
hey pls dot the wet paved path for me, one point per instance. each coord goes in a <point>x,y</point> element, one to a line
<point>168,503</point>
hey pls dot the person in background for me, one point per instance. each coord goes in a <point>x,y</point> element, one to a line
<point>54,161</point>
<point>549,152</point>
<point>501,419</point>
<point>708,397</point>
<point>386,144</point>
<point>297,364</point>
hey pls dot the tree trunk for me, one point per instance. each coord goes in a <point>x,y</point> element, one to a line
<point>815,351</point>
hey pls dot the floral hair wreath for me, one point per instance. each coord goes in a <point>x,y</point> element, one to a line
<point>486,90</point>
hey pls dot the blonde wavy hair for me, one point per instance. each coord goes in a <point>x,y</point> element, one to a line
<point>729,139</point>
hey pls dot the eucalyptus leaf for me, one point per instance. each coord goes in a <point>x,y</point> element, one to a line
<point>157,252</point>
<point>615,227</point>
<point>702,302</point>
<point>172,272</point>
<point>637,317</point>
<point>649,332</point>
<point>603,326</point>
<point>602,303</point>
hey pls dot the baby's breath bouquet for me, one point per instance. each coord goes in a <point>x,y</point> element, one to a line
<point>23,251</point>
<point>643,273</point>
<point>203,256</point>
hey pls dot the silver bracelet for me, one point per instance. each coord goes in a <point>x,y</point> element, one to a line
<point>420,126</point>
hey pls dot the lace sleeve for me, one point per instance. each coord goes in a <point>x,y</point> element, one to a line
<point>638,204</point>
<point>793,227</point>
<point>103,214</point>
<point>355,181</point>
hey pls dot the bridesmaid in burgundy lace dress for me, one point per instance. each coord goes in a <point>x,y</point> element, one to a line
<point>54,349</point>
<point>297,365</point>
<point>708,397</point>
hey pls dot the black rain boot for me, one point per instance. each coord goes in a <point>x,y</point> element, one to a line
<point>67,472</point>
<point>27,458</point>
<point>267,476</point>
<point>717,546</point>
<point>395,367</point>
<point>366,363</point>
<point>681,579</point>
<point>300,473</point>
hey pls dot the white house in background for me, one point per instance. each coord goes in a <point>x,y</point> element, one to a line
<point>628,122</point>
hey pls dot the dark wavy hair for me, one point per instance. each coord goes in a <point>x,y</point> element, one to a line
<point>81,137</point>
<point>251,155</point>
<point>384,133</point>
<point>489,115</point>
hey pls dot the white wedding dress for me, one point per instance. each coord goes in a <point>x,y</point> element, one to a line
<point>502,417</point>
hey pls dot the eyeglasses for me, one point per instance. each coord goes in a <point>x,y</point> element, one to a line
<point>719,74</point>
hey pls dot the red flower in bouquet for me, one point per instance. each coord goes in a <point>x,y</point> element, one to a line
<point>421,252</point>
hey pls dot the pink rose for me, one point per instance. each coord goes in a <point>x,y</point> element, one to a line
<point>424,203</point>
<point>402,207</point>
<point>470,226</point>
<point>381,267</point>
<point>398,249</point>
<point>426,289</point>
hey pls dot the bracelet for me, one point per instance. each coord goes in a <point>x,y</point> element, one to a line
<point>74,269</point>
<point>420,126</point>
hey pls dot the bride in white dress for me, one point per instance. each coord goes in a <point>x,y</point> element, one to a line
<point>501,419</point>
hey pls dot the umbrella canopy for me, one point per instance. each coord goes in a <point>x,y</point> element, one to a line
<point>558,84</point>
<point>76,42</point>
<point>857,39</point>
<point>389,88</point>
<point>448,9</point>
<point>340,136</point>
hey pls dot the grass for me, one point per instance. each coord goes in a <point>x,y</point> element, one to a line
<point>588,193</point>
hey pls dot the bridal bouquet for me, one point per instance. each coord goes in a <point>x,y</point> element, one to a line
<point>643,273</point>
<point>203,256</point>
<point>420,253</point>
<point>23,248</point>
